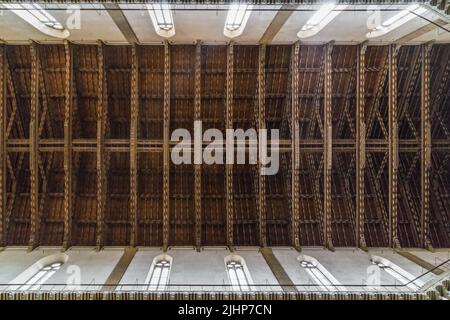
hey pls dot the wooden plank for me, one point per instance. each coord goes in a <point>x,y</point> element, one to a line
<point>166,147</point>
<point>198,166</point>
<point>261,126</point>
<point>34,148</point>
<point>295,152</point>
<point>393,146</point>
<point>425,150</point>
<point>229,125</point>
<point>327,160</point>
<point>68,115</point>
<point>133,144</point>
<point>101,119</point>
<point>360,147</point>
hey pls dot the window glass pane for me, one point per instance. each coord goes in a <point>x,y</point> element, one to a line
<point>40,277</point>
<point>238,278</point>
<point>319,278</point>
<point>160,276</point>
<point>400,277</point>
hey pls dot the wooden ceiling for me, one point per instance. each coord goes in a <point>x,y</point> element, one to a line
<point>86,129</point>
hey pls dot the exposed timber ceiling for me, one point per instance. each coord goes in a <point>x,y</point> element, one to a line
<point>275,22</point>
<point>85,145</point>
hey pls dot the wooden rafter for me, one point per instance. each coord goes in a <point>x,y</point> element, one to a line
<point>68,114</point>
<point>197,162</point>
<point>134,118</point>
<point>2,143</point>
<point>425,137</point>
<point>34,148</point>
<point>166,164</point>
<point>360,146</point>
<point>327,149</point>
<point>102,100</point>
<point>229,125</point>
<point>261,123</point>
<point>393,146</point>
<point>295,152</point>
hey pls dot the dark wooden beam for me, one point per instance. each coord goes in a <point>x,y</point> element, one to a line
<point>166,147</point>
<point>133,144</point>
<point>393,146</point>
<point>229,125</point>
<point>68,114</point>
<point>360,147</point>
<point>102,102</point>
<point>425,137</point>
<point>261,123</point>
<point>3,138</point>
<point>327,151</point>
<point>295,152</point>
<point>197,165</point>
<point>149,146</point>
<point>34,150</point>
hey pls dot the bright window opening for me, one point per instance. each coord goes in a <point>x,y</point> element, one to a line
<point>159,275</point>
<point>319,275</point>
<point>162,19</point>
<point>397,20</point>
<point>238,277</point>
<point>399,274</point>
<point>39,18</point>
<point>39,278</point>
<point>237,18</point>
<point>321,18</point>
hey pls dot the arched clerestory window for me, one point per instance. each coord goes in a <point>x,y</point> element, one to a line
<point>238,273</point>
<point>39,273</point>
<point>398,273</point>
<point>35,282</point>
<point>159,273</point>
<point>319,274</point>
